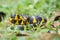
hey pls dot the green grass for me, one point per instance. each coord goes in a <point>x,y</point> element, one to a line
<point>44,8</point>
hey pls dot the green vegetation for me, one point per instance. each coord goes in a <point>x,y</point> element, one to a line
<point>44,8</point>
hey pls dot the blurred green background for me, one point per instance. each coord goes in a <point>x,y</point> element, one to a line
<point>29,7</point>
<point>43,8</point>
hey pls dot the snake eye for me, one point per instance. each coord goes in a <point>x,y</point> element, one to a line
<point>57,18</point>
